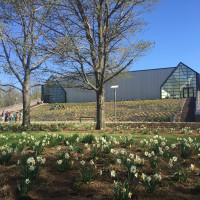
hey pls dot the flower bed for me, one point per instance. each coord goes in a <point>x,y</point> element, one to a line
<point>138,110</point>
<point>55,166</point>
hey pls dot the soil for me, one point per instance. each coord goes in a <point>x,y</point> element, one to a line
<point>53,184</point>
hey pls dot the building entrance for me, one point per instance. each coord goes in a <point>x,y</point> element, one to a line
<point>188,92</point>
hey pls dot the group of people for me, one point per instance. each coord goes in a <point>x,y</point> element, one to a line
<point>11,116</point>
<point>55,107</point>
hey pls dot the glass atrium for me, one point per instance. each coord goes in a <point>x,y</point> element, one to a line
<point>180,84</point>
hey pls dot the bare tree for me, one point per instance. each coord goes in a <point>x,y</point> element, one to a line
<point>97,40</point>
<point>9,96</point>
<point>22,44</point>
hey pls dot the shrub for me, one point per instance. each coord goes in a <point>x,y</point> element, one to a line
<point>88,139</point>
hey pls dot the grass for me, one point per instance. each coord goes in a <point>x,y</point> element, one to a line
<point>136,137</point>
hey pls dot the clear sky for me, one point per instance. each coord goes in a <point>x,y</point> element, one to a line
<point>174,26</point>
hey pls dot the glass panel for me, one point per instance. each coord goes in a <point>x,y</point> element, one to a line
<point>178,84</point>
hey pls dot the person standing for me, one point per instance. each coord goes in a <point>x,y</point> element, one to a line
<point>3,116</point>
<point>16,117</point>
<point>6,116</point>
<point>11,117</point>
<point>20,116</point>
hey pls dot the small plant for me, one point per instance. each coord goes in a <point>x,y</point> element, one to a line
<point>185,148</point>
<point>181,175</point>
<point>167,154</point>
<point>30,167</point>
<point>122,191</point>
<point>198,130</point>
<point>55,140</point>
<point>156,142</point>
<point>154,162</point>
<point>86,172</point>
<point>134,130</point>
<point>64,161</point>
<point>38,147</point>
<point>95,153</point>
<point>171,130</point>
<point>5,154</point>
<point>143,143</point>
<point>128,140</point>
<point>88,139</point>
<point>150,182</point>
<point>78,149</point>
<point>156,131</point>
<point>183,131</point>
<point>132,172</point>
<point>24,187</point>
<point>72,140</point>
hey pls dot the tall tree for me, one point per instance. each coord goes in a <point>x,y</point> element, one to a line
<point>22,43</point>
<point>98,39</point>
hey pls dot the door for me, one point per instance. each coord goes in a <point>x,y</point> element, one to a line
<point>188,92</point>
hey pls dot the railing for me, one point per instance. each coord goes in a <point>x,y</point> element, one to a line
<point>18,106</point>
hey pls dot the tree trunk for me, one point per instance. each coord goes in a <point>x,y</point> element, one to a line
<point>100,110</point>
<point>26,101</point>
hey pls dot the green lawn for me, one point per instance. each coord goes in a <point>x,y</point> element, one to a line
<point>120,137</point>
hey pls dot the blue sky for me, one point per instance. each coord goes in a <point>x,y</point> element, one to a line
<point>174,26</point>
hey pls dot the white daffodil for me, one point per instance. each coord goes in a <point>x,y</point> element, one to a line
<point>91,162</point>
<point>133,169</point>
<point>192,167</point>
<point>174,158</point>
<point>27,181</point>
<point>59,162</point>
<point>58,148</point>
<point>67,156</point>
<point>112,173</point>
<point>82,162</point>
<point>119,161</point>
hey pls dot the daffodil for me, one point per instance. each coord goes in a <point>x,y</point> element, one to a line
<point>112,173</point>
<point>174,158</point>
<point>58,148</point>
<point>143,176</point>
<point>91,162</point>
<point>67,156</point>
<point>133,169</point>
<point>27,181</point>
<point>59,162</point>
<point>124,190</point>
<point>82,162</point>
<point>192,167</point>
<point>32,168</point>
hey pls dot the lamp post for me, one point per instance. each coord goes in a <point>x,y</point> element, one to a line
<point>115,94</point>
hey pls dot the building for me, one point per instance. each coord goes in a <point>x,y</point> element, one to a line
<point>173,82</point>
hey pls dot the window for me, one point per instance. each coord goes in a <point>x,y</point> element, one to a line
<point>181,83</point>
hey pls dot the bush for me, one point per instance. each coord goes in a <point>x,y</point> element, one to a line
<point>88,139</point>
